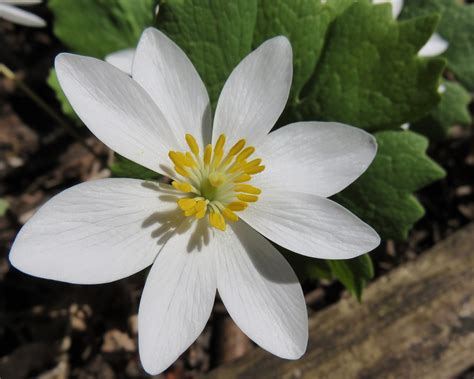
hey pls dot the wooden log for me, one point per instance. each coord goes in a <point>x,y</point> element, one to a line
<point>415,322</point>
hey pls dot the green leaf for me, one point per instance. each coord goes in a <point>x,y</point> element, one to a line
<point>4,205</point>
<point>305,23</point>
<point>354,273</point>
<point>369,74</point>
<point>307,269</point>
<point>215,34</point>
<point>457,27</point>
<point>383,195</point>
<point>99,27</point>
<point>452,110</point>
<point>125,168</point>
<point>61,97</point>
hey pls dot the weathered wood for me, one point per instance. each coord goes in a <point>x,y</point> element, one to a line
<point>415,322</point>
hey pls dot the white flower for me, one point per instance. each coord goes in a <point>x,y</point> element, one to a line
<point>206,231</point>
<point>19,16</point>
<point>435,45</point>
<point>122,59</point>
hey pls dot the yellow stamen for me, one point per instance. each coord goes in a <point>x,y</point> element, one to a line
<point>247,198</point>
<point>217,178</point>
<point>186,204</point>
<point>242,178</point>
<point>229,215</point>
<point>214,178</point>
<point>182,186</point>
<point>181,171</point>
<point>254,170</point>
<point>207,154</point>
<point>217,220</point>
<point>237,206</point>
<point>220,144</point>
<point>190,212</point>
<point>192,144</point>
<point>253,163</point>
<point>237,147</point>
<point>201,208</point>
<point>247,152</point>
<point>190,160</point>
<point>248,189</point>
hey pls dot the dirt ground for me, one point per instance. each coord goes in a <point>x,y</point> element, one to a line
<point>55,330</point>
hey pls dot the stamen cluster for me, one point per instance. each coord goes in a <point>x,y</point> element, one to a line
<point>215,184</point>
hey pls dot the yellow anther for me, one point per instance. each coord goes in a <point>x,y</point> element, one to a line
<point>247,152</point>
<point>174,157</point>
<point>220,144</point>
<point>186,204</point>
<point>237,147</point>
<point>182,186</point>
<point>190,212</point>
<point>181,171</point>
<point>237,206</point>
<point>248,189</point>
<point>201,208</point>
<point>190,160</point>
<point>236,167</point>
<point>217,220</point>
<point>217,178</point>
<point>192,144</point>
<point>247,198</point>
<point>207,154</point>
<point>254,170</point>
<point>255,162</point>
<point>200,214</point>
<point>229,215</point>
<point>242,178</point>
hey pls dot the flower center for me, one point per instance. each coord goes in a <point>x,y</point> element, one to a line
<point>216,184</point>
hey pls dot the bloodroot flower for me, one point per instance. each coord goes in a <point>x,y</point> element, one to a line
<point>18,16</point>
<point>234,185</point>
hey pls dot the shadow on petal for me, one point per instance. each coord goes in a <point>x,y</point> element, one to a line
<point>254,245</point>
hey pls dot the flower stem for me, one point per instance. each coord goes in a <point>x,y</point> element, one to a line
<point>9,74</point>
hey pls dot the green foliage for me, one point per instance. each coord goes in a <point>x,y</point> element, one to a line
<point>125,168</point>
<point>457,27</point>
<point>305,23</point>
<point>353,273</point>
<point>383,195</point>
<point>215,34</point>
<point>452,110</point>
<point>99,27</point>
<point>4,205</point>
<point>369,75</point>
<point>61,97</point>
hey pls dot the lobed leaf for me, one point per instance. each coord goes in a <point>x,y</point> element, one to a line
<point>383,195</point>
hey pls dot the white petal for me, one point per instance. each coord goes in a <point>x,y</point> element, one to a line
<point>95,232</point>
<point>397,6</point>
<point>310,225</point>
<point>320,158</point>
<point>170,78</point>
<point>261,292</point>
<point>255,94</point>
<point>122,59</point>
<point>116,109</point>
<point>19,16</point>
<point>177,300</point>
<point>436,45</point>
